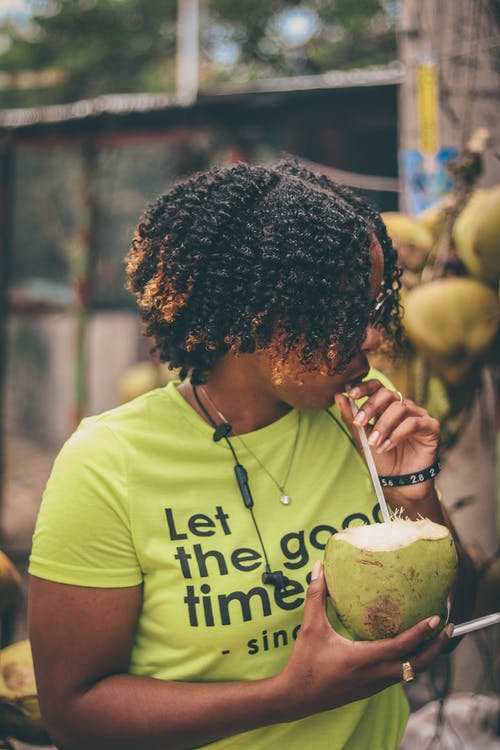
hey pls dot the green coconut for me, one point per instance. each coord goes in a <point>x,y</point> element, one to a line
<point>143,377</point>
<point>452,321</point>
<point>384,578</point>
<point>476,234</point>
<point>411,238</point>
<point>487,234</point>
<point>434,217</point>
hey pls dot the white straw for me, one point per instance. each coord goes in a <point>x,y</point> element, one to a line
<point>371,464</point>
<point>480,622</point>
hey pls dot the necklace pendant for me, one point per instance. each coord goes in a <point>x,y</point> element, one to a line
<point>285,500</point>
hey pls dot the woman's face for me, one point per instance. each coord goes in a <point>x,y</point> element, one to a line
<point>317,390</point>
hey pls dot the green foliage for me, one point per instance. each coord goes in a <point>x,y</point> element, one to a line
<point>102,46</point>
<point>112,46</point>
<point>354,15</point>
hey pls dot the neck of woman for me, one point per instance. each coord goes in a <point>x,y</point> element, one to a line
<point>237,389</point>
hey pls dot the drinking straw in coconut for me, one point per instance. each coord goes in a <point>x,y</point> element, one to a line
<point>480,622</point>
<point>371,464</point>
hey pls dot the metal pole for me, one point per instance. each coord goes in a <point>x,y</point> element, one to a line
<point>188,23</point>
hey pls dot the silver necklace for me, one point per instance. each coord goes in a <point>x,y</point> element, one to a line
<point>285,498</point>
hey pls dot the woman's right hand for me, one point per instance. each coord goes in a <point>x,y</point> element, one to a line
<point>327,670</point>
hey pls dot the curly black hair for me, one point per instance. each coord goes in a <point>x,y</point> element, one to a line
<point>248,257</point>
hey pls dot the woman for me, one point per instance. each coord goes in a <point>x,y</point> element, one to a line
<point>177,596</point>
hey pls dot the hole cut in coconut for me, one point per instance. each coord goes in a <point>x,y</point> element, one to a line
<point>397,533</point>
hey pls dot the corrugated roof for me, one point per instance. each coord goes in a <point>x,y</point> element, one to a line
<point>375,75</point>
<point>122,104</point>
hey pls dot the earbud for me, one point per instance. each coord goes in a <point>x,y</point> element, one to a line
<point>221,431</point>
<point>276,578</point>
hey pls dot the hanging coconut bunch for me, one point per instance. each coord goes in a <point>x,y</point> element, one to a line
<point>450,260</point>
<point>20,717</point>
<point>452,320</point>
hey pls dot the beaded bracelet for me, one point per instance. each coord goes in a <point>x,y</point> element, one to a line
<point>405,479</point>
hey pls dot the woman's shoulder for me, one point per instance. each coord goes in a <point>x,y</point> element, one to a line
<point>124,423</point>
<point>154,405</point>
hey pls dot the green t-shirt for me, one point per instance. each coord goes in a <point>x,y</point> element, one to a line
<point>142,494</point>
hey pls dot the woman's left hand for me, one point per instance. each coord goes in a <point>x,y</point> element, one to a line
<point>403,437</point>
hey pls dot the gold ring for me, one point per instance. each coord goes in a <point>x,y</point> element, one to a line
<point>408,673</point>
<point>400,396</point>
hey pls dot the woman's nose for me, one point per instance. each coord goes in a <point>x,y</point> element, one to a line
<point>372,340</point>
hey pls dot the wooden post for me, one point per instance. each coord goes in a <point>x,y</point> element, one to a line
<point>456,39</point>
<point>188,22</point>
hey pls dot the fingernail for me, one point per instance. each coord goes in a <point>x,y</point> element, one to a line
<point>449,630</point>
<point>434,622</point>
<point>384,447</point>
<point>360,418</point>
<point>354,393</point>
<point>316,571</point>
<point>374,438</point>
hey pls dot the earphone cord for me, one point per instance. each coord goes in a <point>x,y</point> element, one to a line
<point>248,505</point>
<point>212,421</point>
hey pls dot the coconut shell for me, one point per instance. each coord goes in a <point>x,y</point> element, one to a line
<point>20,717</point>
<point>378,593</point>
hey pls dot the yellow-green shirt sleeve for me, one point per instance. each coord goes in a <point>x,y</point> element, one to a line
<point>83,533</point>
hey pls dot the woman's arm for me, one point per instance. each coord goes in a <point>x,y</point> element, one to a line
<point>82,640</point>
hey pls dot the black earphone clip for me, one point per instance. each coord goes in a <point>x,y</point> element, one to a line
<point>221,431</point>
<point>276,578</point>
